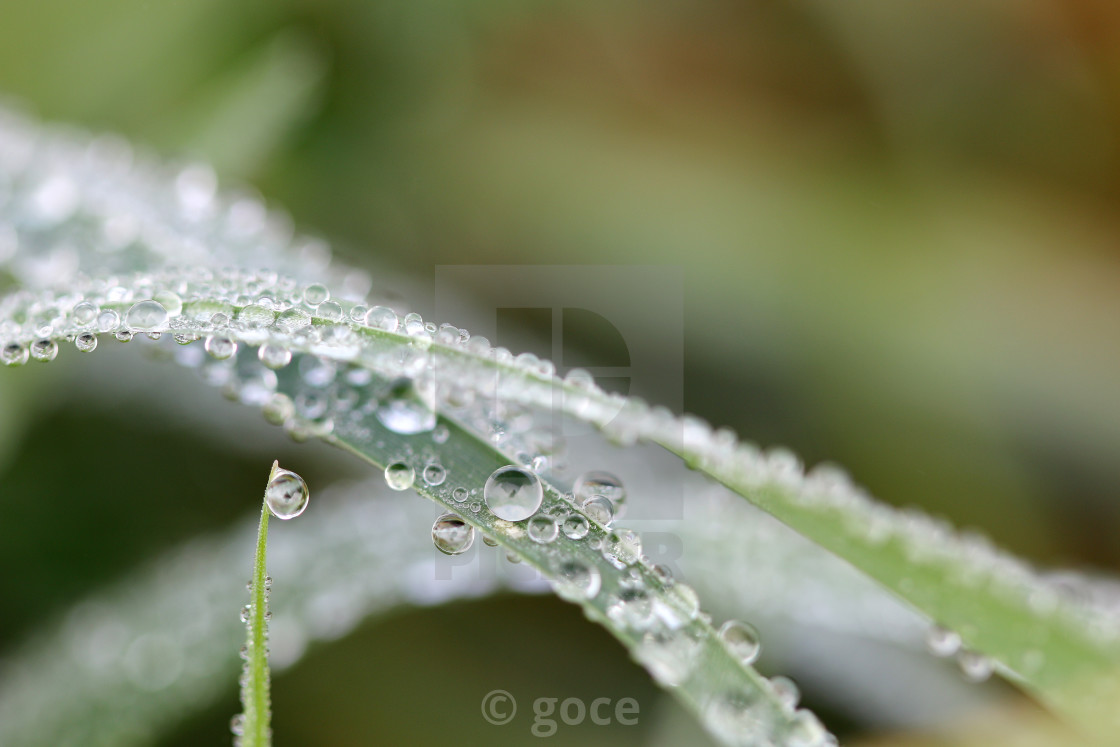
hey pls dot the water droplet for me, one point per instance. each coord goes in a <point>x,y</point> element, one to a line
<point>274,356</point>
<point>623,548</point>
<point>786,691</point>
<point>943,642</point>
<point>44,350</point>
<point>741,639</point>
<point>399,476</point>
<point>806,730</point>
<point>382,317</point>
<point>256,316</point>
<point>286,494</point>
<point>669,656</point>
<point>84,314</point>
<point>293,319</point>
<point>576,527</point>
<point>315,294</point>
<point>435,474</point>
<point>237,725</point>
<point>459,494</point>
<point>124,335</point>
<point>441,434</point>
<point>543,529</point>
<point>13,355</point>
<point>219,347</point>
<point>246,613</point>
<point>452,535</point>
<point>600,509</point>
<point>330,310</point>
<point>404,409</point>
<point>577,582</point>
<point>600,483</point>
<point>975,666</point>
<point>146,316</point>
<point>513,493</point>
<point>170,301</point>
<point>108,320</point>
<point>86,342</point>
<point>278,408</point>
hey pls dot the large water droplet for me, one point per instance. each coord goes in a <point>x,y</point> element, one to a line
<point>146,316</point>
<point>400,476</point>
<point>286,494</point>
<point>741,639</point>
<point>405,409</point>
<point>452,535</point>
<point>84,314</point>
<point>513,493</point>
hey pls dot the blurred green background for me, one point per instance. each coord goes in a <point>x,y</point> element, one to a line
<point>896,222</point>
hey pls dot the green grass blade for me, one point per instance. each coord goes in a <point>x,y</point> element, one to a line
<point>254,728</point>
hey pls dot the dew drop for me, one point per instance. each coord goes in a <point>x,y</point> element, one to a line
<point>786,690</point>
<point>293,319</point>
<point>600,509</point>
<point>382,317</point>
<point>124,335</point>
<point>237,725</point>
<point>315,294</point>
<point>459,494</point>
<point>286,494</point>
<point>399,476</point>
<point>170,301</point>
<point>220,347</point>
<point>741,639</point>
<point>330,310</point>
<point>86,342</point>
<point>434,474</point>
<point>576,527</point>
<point>975,666</point>
<point>146,316</point>
<point>404,410</point>
<point>256,316</point>
<point>623,548</point>
<point>577,582</point>
<point>84,314</point>
<point>44,350</point>
<point>806,730</point>
<point>543,529</point>
<point>943,642</point>
<point>274,356</point>
<point>278,408</point>
<point>513,493</point>
<point>13,354</point>
<point>489,541</point>
<point>108,320</point>
<point>604,484</point>
<point>452,535</point>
